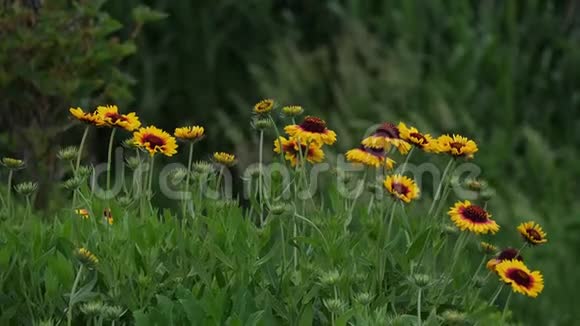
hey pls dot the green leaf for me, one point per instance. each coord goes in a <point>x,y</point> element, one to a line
<point>307,316</point>
<point>143,14</point>
<point>417,245</point>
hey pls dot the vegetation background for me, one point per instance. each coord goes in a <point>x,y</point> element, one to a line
<point>505,73</point>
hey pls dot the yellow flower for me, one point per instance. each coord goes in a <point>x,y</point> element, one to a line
<point>292,150</point>
<point>467,216</point>
<point>385,136</point>
<point>83,212</point>
<point>108,216</point>
<point>532,232</point>
<point>504,255</point>
<point>312,129</point>
<point>487,247</point>
<point>457,145</point>
<point>292,110</point>
<point>522,280</point>
<point>111,117</point>
<point>192,133</point>
<point>264,106</point>
<point>224,158</point>
<point>86,257</point>
<point>401,187</point>
<point>86,117</point>
<point>155,140</point>
<point>369,156</point>
<point>413,136</point>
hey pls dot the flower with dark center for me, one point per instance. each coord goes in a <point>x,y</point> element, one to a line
<point>532,233</point>
<point>420,140</point>
<point>385,136</point>
<point>264,106</point>
<point>401,187</point>
<point>294,151</point>
<point>110,117</point>
<point>312,129</point>
<point>86,117</point>
<point>155,140</point>
<point>457,146</point>
<point>521,279</point>
<point>467,216</point>
<point>370,156</point>
<point>190,133</point>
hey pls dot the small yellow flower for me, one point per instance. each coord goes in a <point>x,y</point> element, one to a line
<point>155,140</point>
<point>457,146</point>
<point>401,187</point>
<point>385,136</point>
<point>370,156</point>
<point>224,158</point>
<point>108,216</point>
<point>522,280</point>
<point>264,106</point>
<point>111,117</point>
<point>86,117</point>
<point>313,153</point>
<point>487,247</point>
<point>292,110</point>
<point>467,216</point>
<point>532,232</point>
<point>413,136</point>
<point>83,212</point>
<point>192,133</point>
<point>87,258</point>
<point>312,129</point>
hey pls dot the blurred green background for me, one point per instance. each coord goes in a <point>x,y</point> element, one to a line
<point>505,73</point>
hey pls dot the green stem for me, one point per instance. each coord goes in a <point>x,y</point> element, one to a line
<point>72,293</point>
<point>9,190</point>
<point>81,147</point>
<point>391,218</point>
<point>505,308</point>
<point>28,208</point>
<point>260,184</point>
<point>109,159</point>
<point>150,183</point>
<point>419,321</point>
<point>283,243</point>
<point>404,167</point>
<point>189,163</point>
<point>496,295</point>
<point>439,187</point>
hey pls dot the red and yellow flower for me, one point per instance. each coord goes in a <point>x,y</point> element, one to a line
<point>401,187</point>
<point>190,133</point>
<point>264,106</point>
<point>521,279</point>
<point>370,156</point>
<point>413,136</point>
<point>293,150</point>
<point>532,233</point>
<point>312,129</point>
<point>467,216</point>
<point>155,140</point>
<point>385,136</point>
<point>86,117</point>
<point>457,145</point>
<point>226,159</point>
<point>111,117</point>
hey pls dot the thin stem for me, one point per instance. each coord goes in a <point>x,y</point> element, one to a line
<point>419,321</point>
<point>404,167</point>
<point>260,184</point>
<point>150,183</point>
<point>391,218</point>
<point>505,308</point>
<point>9,194</point>
<point>439,188</point>
<point>110,158</point>
<point>283,243</point>
<point>496,295</point>
<point>72,293</point>
<point>81,147</point>
<point>28,207</point>
<point>189,163</point>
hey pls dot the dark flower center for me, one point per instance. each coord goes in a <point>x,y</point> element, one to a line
<point>509,254</point>
<point>116,117</point>
<point>520,277</point>
<point>313,124</point>
<point>458,146</point>
<point>401,188</point>
<point>534,234</point>
<point>154,141</point>
<point>421,139</point>
<point>378,152</point>
<point>475,214</point>
<point>388,130</point>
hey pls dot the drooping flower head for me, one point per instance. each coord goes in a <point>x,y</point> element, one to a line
<point>86,117</point>
<point>467,216</point>
<point>370,156</point>
<point>111,117</point>
<point>532,233</point>
<point>487,247</point>
<point>385,136</point>
<point>312,129</point>
<point>264,106</point>
<point>522,280</point>
<point>155,140</point>
<point>401,187</point>
<point>190,133</point>
<point>457,146</point>
<point>224,158</point>
<point>413,136</point>
<point>505,254</point>
<point>86,257</point>
<point>293,150</point>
